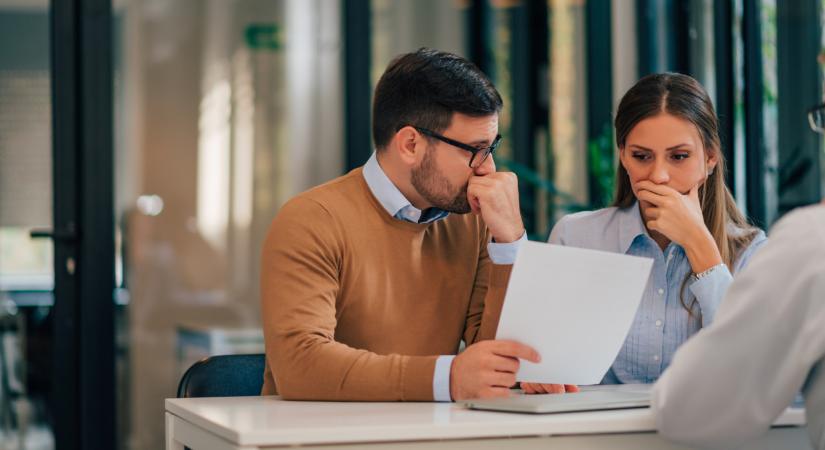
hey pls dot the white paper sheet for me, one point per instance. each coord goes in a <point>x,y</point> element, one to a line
<point>574,306</point>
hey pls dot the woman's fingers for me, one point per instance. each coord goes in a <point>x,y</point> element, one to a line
<point>659,189</point>
<point>547,388</point>
<point>652,197</point>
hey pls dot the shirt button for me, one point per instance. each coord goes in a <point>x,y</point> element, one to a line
<point>658,323</point>
<point>655,357</point>
<point>661,291</point>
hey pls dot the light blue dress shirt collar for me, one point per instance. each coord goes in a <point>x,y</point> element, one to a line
<point>631,226</point>
<point>392,199</point>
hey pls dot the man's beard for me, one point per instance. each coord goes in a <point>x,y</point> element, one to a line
<point>435,187</point>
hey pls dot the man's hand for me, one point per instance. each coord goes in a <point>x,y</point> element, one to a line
<point>541,388</point>
<point>495,197</point>
<point>488,369</point>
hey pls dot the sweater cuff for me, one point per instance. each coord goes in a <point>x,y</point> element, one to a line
<point>417,378</point>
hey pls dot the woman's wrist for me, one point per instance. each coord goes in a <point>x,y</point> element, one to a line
<point>702,252</point>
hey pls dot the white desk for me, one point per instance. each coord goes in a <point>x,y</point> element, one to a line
<point>246,423</point>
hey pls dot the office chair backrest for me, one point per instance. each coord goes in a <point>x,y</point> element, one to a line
<point>224,376</point>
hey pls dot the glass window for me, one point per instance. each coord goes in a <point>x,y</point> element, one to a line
<point>223,111</point>
<point>568,100</point>
<point>26,265</point>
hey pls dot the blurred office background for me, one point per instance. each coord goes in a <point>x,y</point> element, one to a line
<point>189,122</point>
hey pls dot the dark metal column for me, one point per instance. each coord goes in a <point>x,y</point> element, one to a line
<point>84,369</point>
<point>599,102</point>
<point>357,85</point>
<point>755,167</point>
<point>477,19</point>
<point>725,86</point>
<point>528,53</point>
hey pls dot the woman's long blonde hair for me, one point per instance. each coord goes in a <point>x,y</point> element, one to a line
<point>682,96</point>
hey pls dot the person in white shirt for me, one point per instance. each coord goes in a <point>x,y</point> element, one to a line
<point>727,384</point>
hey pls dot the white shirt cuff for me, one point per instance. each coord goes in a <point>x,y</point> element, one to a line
<point>505,254</point>
<point>441,378</point>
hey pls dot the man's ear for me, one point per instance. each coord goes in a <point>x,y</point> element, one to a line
<point>409,144</point>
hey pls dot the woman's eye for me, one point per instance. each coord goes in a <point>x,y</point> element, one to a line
<point>641,156</point>
<point>680,156</point>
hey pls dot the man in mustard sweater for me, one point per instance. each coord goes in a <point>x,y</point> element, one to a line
<point>370,281</point>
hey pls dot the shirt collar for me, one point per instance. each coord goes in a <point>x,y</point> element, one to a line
<point>392,199</point>
<point>630,226</point>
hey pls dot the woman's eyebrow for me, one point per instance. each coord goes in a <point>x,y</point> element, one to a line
<point>675,147</point>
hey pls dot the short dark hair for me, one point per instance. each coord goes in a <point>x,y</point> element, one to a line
<point>424,88</point>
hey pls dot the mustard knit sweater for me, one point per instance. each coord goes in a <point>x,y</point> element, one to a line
<point>357,305</point>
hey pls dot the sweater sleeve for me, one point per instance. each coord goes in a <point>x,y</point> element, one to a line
<point>300,269</point>
<point>487,298</point>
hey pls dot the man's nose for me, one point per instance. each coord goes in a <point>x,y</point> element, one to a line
<point>487,167</point>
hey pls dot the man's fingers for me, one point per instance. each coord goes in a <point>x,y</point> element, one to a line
<point>495,392</point>
<point>475,193</point>
<point>504,364</point>
<point>515,349</point>
<point>473,200</point>
<point>571,388</point>
<point>502,379</point>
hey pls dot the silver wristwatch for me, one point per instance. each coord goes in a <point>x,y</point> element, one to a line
<point>704,273</point>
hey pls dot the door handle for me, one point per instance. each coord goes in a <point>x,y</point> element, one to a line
<point>65,234</point>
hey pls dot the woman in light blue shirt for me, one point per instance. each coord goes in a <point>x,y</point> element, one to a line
<point>672,205</point>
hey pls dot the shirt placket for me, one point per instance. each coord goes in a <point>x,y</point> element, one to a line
<point>657,324</point>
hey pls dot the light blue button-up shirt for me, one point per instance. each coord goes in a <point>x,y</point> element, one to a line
<point>662,324</point>
<point>400,208</point>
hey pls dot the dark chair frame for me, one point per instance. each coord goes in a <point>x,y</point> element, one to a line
<point>224,376</point>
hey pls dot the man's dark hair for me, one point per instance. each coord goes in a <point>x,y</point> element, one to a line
<point>424,88</point>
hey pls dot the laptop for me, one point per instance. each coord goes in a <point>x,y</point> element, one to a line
<point>599,399</point>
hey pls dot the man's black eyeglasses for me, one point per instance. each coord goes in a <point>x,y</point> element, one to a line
<point>479,154</point>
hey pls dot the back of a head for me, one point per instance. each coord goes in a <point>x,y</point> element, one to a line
<point>424,88</point>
